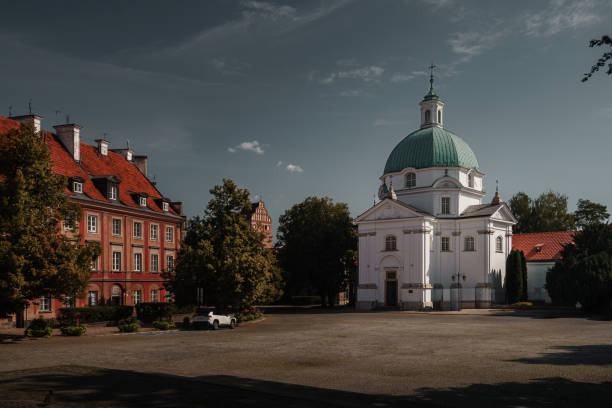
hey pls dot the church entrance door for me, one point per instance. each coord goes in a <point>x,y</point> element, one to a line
<point>391,288</point>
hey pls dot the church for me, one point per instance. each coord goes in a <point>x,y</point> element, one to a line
<point>430,242</point>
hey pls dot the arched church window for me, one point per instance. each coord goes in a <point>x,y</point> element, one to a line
<point>390,243</point>
<point>439,116</point>
<point>499,244</point>
<point>471,181</point>
<point>410,180</point>
<point>427,116</point>
<point>469,244</point>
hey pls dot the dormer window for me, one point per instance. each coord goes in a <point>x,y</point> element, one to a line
<point>143,201</point>
<point>112,192</point>
<point>77,187</point>
<point>410,180</point>
<point>165,206</point>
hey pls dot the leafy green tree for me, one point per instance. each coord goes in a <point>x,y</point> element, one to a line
<point>588,213</point>
<point>525,288</point>
<point>584,273</point>
<point>521,206</point>
<point>514,281</point>
<point>313,239</point>
<point>605,41</point>
<point>225,256</point>
<point>35,258</point>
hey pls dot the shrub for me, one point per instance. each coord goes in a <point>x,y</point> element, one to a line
<point>73,330</point>
<point>128,327</point>
<point>150,312</point>
<point>162,325</point>
<point>92,314</point>
<point>39,328</point>
<point>514,275</point>
<point>522,305</point>
<point>305,300</point>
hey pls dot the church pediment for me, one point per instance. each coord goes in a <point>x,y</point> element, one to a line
<point>504,214</point>
<point>388,210</point>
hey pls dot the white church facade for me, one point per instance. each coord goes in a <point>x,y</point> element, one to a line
<point>430,242</point>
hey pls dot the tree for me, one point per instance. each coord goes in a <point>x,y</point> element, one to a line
<point>225,256</point>
<point>514,281</point>
<point>313,239</point>
<point>525,288</point>
<point>35,258</point>
<point>521,206</point>
<point>588,213</point>
<point>584,273</point>
<point>546,213</point>
<point>605,40</point>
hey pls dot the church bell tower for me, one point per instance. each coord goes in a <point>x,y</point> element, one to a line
<point>432,106</point>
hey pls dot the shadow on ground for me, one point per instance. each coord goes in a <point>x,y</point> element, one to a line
<point>94,387</point>
<point>595,354</point>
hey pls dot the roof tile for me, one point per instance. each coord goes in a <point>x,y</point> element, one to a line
<point>550,244</point>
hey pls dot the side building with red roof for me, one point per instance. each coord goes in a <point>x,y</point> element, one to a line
<point>137,227</point>
<point>542,250</point>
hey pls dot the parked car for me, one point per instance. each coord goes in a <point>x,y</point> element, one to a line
<point>208,319</point>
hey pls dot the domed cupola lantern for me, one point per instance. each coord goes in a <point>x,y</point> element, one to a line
<point>432,106</point>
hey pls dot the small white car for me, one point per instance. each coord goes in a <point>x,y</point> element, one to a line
<point>203,320</point>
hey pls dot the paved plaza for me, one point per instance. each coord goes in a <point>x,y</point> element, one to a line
<point>495,358</point>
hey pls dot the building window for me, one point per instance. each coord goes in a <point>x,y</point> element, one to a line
<point>390,243</point>
<point>92,298</point>
<point>165,206</point>
<point>143,201</point>
<point>92,223</point>
<point>446,205</point>
<point>116,265</point>
<point>427,116</point>
<point>137,262</point>
<point>410,180</point>
<point>439,116</point>
<point>154,263</point>
<point>112,193</point>
<point>445,244</point>
<point>94,264</point>
<point>154,232</point>
<point>77,187</point>
<point>169,234</point>
<point>116,226</point>
<point>169,263</point>
<point>471,181</point>
<point>137,296</point>
<point>154,295</point>
<point>469,244</point>
<point>137,229</point>
<point>499,244</point>
<point>67,224</point>
<point>45,304</point>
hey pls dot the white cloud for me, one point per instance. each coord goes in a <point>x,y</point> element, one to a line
<point>253,146</point>
<point>561,15</point>
<point>399,77</point>
<point>294,168</point>
<point>279,163</point>
<point>351,92</point>
<point>437,4</point>
<point>365,74</point>
<point>473,43</point>
<point>267,10</point>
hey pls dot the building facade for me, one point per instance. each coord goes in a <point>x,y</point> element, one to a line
<point>430,242</point>
<point>138,229</point>
<point>261,221</point>
<point>542,250</point>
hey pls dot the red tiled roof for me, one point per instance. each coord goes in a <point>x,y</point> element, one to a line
<point>550,244</point>
<point>93,164</point>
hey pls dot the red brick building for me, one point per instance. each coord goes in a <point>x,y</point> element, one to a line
<point>138,229</point>
<point>261,220</point>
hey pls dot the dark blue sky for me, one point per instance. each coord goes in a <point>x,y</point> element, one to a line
<point>292,99</point>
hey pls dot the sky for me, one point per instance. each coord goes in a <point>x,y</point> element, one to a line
<point>292,99</point>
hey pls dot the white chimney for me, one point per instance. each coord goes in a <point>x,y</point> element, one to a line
<point>127,153</point>
<point>103,146</point>
<point>70,136</point>
<point>33,120</point>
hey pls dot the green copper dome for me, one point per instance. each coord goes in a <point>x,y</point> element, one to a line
<point>431,147</point>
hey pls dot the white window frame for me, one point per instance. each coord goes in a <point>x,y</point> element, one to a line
<point>410,180</point>
<point>154,295</point>
<point>92,298</point>
<point>390,243</point>
<point>44,304</point>
<point>113,191</point>
<point>67,226</point>
<point>137,295</point>
<point>169,263</point>
<point>471,180</point>
<point>139,230</point>
<point>169,234</point>
<point>445,245</point>
<point>445,204</point>
<point>77,187</point>
<point>154,232</point>
<point>114,222</point>
<point>137,262</point>
<point>143,201</point>
<point>165,206</point>
<point>92,223</point>
<point>499,244</point>
<point>95,264</point>
<point>154,263</point>
<point>116,261</point>
<point>469,244</point>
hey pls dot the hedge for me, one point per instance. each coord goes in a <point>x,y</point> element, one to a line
<point>129,327</point>
<point>39,328</point>
<point>152,311</point>
<point>91,314</point>
<point>305,300</point>
<point>73,330</point>
<point>161,325</point>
